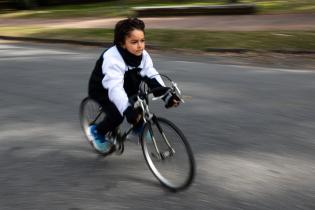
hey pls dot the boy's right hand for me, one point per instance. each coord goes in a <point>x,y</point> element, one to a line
<point>133,116</point>
<point>171,100</point>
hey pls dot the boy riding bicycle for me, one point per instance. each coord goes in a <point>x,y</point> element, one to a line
<point>117,76</point>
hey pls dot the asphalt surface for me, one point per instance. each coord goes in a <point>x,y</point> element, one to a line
<point>251,128</point>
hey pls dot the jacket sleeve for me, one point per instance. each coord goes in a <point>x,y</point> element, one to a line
<point>113,81</point>
<point>148,71</point>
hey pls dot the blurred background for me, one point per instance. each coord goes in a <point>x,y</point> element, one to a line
<point>248,67</point>
<point>239,25</point>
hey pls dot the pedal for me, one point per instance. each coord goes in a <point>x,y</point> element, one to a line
<point>154,155</point>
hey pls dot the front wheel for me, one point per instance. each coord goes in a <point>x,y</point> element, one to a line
<point>168,154</point>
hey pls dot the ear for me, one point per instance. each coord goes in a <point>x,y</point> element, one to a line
<point>123,45</point>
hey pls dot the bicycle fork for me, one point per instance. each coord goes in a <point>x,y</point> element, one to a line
<point>164,154</point>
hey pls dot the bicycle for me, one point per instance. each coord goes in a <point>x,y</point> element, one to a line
<point>165,148</point>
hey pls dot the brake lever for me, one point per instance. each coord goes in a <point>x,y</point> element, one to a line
<point>179,92</point>
<point>176,87</point>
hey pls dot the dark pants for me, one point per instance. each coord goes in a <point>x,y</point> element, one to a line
<point>113,117</point>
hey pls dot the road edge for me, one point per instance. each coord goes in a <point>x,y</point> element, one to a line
<point>153,47</point>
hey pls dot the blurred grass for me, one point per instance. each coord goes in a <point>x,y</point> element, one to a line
<point>184,39</point>
<point>123,8</point>
<point>106,9</point>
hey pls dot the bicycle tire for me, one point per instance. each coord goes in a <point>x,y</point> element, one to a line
<point>171,178</point>
<point>90,110</point>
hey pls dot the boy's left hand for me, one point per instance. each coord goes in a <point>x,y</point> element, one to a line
<point>133,115</point>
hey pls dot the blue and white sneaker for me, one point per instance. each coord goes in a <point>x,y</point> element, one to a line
<point>147,136</point>
<point>136,132</point>
<point>99,141</point>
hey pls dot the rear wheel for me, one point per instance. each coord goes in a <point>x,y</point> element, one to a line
<point>168,154</point>
<point>91,113</point>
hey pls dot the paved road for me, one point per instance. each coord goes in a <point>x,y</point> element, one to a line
<point>252,130</point>
<point>211,23</point>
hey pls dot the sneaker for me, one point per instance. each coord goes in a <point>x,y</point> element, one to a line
<point>99,141</point>
<point>147,136</point>
<point>136,132</point>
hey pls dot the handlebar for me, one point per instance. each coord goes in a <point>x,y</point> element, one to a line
<point>159,89</point>
<point>162,91</point>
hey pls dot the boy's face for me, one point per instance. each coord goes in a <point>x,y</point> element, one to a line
<point>135,42</point>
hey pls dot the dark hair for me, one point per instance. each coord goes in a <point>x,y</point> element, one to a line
<point>124,27</point>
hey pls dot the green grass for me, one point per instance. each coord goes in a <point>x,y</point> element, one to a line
<point>199,40</point>
<point>107,9</point>
<point>184,39</point>
<point>123,8</point>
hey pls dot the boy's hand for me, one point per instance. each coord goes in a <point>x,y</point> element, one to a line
<point>171,100</point>
<point>133,116</point>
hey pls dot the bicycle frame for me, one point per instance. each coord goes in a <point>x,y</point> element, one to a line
<point>118,138</point>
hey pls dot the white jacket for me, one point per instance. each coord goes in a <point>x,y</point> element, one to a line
<point>114,69</point>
